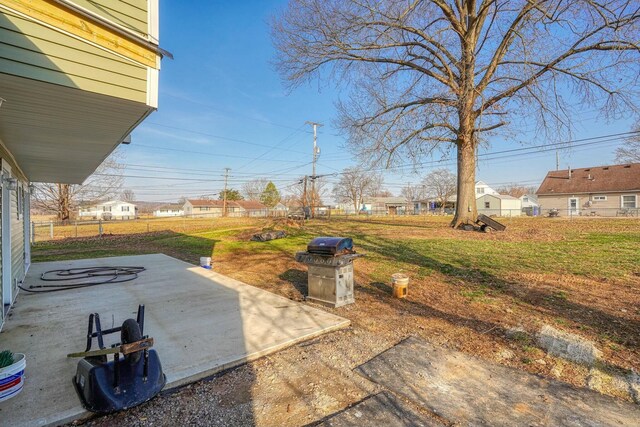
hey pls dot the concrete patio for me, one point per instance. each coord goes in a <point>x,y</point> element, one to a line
<point>202,323</point>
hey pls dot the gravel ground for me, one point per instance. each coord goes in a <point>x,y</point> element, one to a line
<point>495,318</point>
<point>293,387</point>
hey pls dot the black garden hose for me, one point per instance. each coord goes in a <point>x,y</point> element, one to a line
<point>84,277</point>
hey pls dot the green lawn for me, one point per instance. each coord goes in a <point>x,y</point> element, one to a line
<point>612,249</point>
<point>581,275</point>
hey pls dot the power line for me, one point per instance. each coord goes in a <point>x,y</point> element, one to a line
<point>204,153</point>
<point>215,108</point>
<point>241,141</point>
<point>539,149</point>
<point>271,148</point>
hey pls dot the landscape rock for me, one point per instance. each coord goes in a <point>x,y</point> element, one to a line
<point>634,386</point>
<point>609,382</point>
<point>568,346</point>
<point>557,369</point>
<point>506,354</point>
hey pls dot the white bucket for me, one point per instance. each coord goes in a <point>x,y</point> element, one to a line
<point>12,377</point>
<point>205,262</point>
<point>400,285</point>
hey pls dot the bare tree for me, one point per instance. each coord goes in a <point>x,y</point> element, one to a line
<point>423,73</point>
<point>297,195</point>
<point>630,152</point>
<point>383,192</point>
<point>128,196</point>
<point>355,183</point>
<point>63,199</point>
<point>252,190</point>
<point>515,190</point>
<point>413,192</point>
<point>441,185</point>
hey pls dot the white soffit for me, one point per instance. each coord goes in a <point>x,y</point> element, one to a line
<point>62,134</point>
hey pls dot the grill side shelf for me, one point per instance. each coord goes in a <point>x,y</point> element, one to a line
<point>315,259</point>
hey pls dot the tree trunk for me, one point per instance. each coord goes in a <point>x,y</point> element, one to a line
<point>466,209</point>
<point>64,202</point>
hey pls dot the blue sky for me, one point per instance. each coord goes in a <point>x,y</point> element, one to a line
<point>221,104</point>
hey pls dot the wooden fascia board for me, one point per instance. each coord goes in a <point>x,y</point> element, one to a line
<point>85,28</point>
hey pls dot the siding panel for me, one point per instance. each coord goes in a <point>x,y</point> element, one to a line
<point>38,52</point>
<point>131,14</point>
<point>609,207</point>
<point>17,243</point>
<point>1,287</point>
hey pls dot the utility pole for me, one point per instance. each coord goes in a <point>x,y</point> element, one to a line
<point>557,160</point>
<point>224,193</point>
<point>316,151</point>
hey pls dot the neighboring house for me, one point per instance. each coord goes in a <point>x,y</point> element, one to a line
<point>482,189</point>
<point>529,201</point>
<point>214,208</point>
<point>499,205</point>
<point>530,204</point>
<point>168,210</point>
<point>385,205</point>
<point>346,208</point>
<point>76,79</point>
<point>112,210</point>
<point>204,208</point>
<point>252,208</point>
<point>602,190</point>
<point>279,210</point>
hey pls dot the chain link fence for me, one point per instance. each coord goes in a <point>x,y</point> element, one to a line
<point>50,230</point>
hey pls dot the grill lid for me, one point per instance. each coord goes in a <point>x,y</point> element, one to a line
<point>331,246</point>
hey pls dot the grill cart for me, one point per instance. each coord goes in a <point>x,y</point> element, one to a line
<point>330,277</point>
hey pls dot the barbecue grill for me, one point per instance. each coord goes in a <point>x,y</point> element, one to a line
<point>330,277</point>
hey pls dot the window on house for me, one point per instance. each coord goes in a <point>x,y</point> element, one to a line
<point>163,210</point>
<point>204,208</point>
<point>487,205</point>
<point>629,201</point>
<point>125,208</point>
<point>480,190</point>
<point>106,209</point>
<point>525,199</point>
<point>599,198</point>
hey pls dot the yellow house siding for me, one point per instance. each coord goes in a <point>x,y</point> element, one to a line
<point>32,50</point>
<point>77,22</point>
<point>131,14</point>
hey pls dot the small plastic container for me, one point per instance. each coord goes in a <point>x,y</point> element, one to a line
<point>205,262</point>
<point>12,377</point>
<point>400,285</point>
